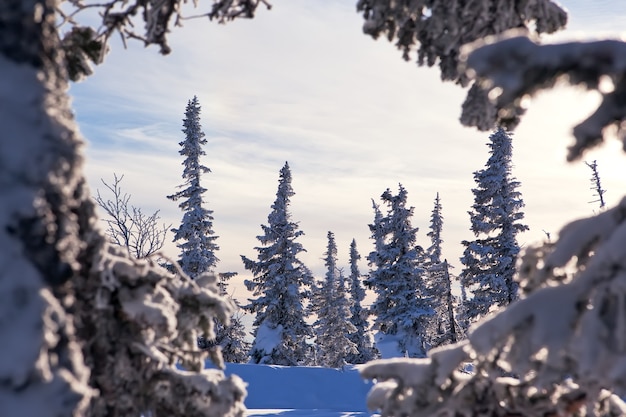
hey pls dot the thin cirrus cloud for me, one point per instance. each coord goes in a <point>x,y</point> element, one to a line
<point>301,83</point>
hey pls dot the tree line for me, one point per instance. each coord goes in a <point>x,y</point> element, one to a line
<point>301,320</point>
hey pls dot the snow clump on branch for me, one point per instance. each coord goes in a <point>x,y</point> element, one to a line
<point>510,68</point>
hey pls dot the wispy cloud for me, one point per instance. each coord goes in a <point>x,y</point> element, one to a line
<point>302,83</point>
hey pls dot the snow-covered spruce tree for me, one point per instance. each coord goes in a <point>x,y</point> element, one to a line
<point>489,260</point>
<point>362,338</point>
<point>196,233</point>
<point>137,323</point>
<point>333,327</point>
<point>443,326</point>
<point>433,253</point>
<point>402,307</point>
<point>281,284</point>
<point>87,330</point>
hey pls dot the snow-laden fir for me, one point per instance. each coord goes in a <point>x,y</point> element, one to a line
<point>195,234</point>
<point>281,285</point>
<point>362,337</point>
<point>333,327</point>
<point>402,308</point>
<point>489,260</point>
<point>443,328</point>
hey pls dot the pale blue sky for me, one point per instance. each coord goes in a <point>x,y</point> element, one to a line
<point>302,83</point>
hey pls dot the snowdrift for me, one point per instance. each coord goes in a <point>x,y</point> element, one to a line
<point>302,388</point>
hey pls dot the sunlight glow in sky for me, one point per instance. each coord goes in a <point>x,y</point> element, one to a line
<point>301,83</point>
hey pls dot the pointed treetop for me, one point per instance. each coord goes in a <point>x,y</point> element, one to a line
<point>284,182</point>
<point>436,226</point>
<point>280,208</point>
<point>501,148</point>
<point>285,173</point>
<point>331,252</point>
<point>354,254</point>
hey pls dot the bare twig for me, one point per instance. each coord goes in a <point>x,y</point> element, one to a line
<point>596,186</point>
<point>128,226</point>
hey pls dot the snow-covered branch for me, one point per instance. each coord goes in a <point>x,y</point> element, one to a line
<point>84,45</point>
<point>87,330</point>
<point>144,321</point>
<point>511,68</point>
<point>438,29</point>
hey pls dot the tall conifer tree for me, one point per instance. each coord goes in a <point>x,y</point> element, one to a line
<point>433,253</point>
<point>195,234</point>
<point>281,284</point>
<point>443,327</point>
<point>489,260</point>
<point>362,338</point>
<point>402,307</point>
<point>333,326</point>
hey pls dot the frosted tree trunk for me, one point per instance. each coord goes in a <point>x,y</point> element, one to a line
<point>45,217</point>
<point>75,312</point>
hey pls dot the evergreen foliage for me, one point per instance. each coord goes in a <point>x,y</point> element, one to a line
<point>333,327</point>
<point>496,213</point>
<point>196,233</point>
<point>402,307</point>
<point>281,284</point>
<point>362,337</point>
<point>443,326</point>
<point>231,338</point>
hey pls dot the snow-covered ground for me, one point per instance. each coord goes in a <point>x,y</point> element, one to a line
<point>302,391</point>
<point>306,413</point>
